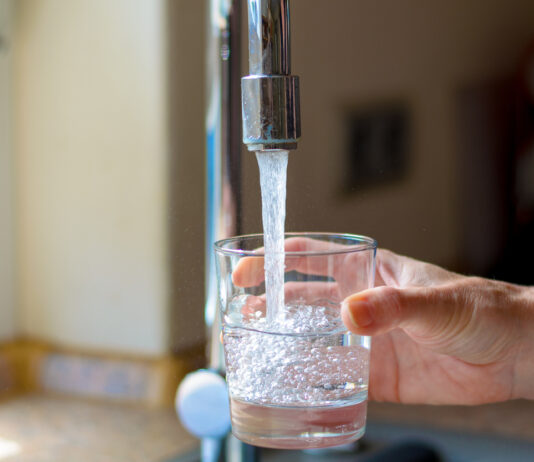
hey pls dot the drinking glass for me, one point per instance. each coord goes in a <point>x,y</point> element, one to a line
<point>299,379</point>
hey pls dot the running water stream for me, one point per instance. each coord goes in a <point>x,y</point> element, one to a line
<point>273,174</point>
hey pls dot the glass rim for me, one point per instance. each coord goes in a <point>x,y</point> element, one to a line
<point>365,243</point>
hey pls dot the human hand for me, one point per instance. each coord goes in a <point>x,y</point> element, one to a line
<point>443,338</point>
<point>438,337</point>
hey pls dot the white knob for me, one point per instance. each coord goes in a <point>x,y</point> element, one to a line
<point>202,404</point>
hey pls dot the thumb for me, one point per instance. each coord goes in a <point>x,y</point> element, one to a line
<point>430,313</point>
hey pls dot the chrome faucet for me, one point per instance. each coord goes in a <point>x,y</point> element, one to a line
<point>271,98</point>
<point>268,115</point>
<point>270,110</point>
<point>223,150</point>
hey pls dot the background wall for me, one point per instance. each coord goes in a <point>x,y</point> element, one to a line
<point>353,54</point>
<point>90,105</point>
<point>7,280</point>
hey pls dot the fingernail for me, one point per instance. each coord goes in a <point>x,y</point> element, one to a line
<point>359,313</point>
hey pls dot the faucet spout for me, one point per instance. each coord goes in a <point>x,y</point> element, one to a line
<point>269,39</point>
<point>270,94</point>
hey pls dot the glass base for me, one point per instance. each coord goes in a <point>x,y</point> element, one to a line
<point>298,427</point>
<point>306,441</point>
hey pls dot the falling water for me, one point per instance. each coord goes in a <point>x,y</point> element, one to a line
<point>273,174</point>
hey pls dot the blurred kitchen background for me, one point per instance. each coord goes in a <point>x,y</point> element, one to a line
<point>418,130</point>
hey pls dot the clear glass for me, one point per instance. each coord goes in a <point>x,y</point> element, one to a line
<point>301,380</point>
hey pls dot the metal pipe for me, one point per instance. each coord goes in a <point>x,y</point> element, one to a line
<point>224,182</point>
<point>223,149</point>
<point>271,95</point>
<point>268,37</point>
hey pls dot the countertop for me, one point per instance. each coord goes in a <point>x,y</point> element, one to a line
<point>47,428</point>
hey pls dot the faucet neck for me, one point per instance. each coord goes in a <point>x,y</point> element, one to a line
<point>269,39</point>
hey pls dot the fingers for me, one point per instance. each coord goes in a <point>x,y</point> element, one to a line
<point>423,299</point>
<point>249,271</point>
<point>428,313</point>
<point>372,311</point>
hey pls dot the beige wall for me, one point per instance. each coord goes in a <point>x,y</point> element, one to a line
<point>354,53</point>
<point>91,173</point>
<point>7,301</point>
